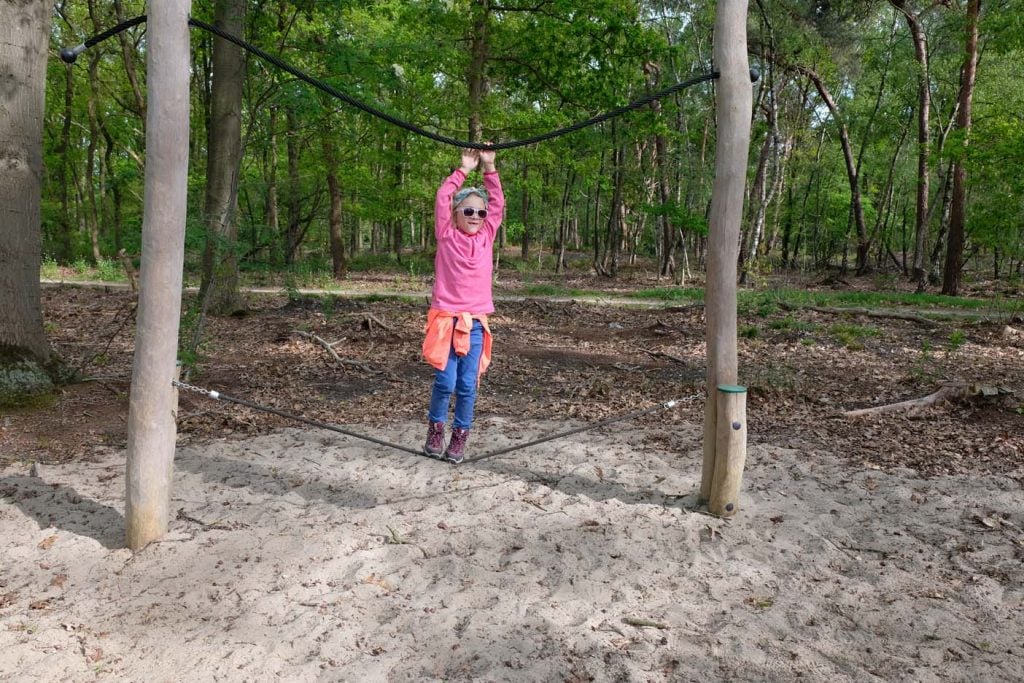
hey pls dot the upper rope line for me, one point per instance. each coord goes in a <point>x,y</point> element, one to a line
<point>70,54</point>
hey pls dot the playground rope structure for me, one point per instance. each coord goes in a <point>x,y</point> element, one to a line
<point>70,54</point>
<point>218,396</point>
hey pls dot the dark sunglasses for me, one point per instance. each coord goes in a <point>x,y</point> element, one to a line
<point>468,212</point>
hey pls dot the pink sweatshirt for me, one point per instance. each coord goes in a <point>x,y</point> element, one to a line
<point>463,266</point>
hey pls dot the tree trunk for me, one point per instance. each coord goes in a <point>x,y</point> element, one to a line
<point>750,233</point>
<point>476,76</point>
<point>219,285</point>
<point>616,212</point>
<point>734,105</point>
<point>64,238</point>
<point>339,259</point>
<point>787,230</point>
<point>114,224</point>
<point>563,223</point>
<point>272,216</point>
<point>151,412</point>
<point>128,53</point>
<point>598,266</point>
<point>293,227</point>
<point>863,245</point>
<point>92,210</point>
<point>946,186</point>
<point>862,267</point>
<point>660,160</point>
<point>396,225</point>
<point>918,272</point>
<point>24,39</point>
<point>958,208</point>
<point>526,214</point>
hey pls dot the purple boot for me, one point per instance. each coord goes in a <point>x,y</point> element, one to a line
<point>456,446</point>
<point>434,446</point>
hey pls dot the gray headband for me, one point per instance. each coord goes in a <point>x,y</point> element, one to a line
<point>466,191</point>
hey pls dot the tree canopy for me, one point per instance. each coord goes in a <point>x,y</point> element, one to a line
<point>636,186</point>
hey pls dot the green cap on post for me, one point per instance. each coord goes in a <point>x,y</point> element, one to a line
<point>732,389</point>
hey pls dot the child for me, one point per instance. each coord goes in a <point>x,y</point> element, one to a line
<point>458,340</point>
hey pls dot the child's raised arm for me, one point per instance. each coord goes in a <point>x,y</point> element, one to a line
<point>487,159</point>
<point>470,158</point>
<point>443,201</point>
<point>496,198</point>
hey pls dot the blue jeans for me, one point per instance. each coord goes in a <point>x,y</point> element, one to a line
<point>458,377</point>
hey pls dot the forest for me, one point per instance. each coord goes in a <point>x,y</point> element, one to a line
<point>881,136</point>
<point>268,512</point>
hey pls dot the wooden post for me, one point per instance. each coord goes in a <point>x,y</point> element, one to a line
<point>733,108</point>
<point>152,431</point>
<point>731,446</point>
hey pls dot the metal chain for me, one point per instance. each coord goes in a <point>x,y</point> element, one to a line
<point>215,395</point>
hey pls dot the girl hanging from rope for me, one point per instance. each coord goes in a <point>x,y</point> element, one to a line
<point>458,339</point>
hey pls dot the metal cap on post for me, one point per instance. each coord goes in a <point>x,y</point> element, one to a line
<point>731,449</point>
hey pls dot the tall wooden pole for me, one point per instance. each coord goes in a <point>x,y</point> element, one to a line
<point>151,426</point>
<point>734,103</point>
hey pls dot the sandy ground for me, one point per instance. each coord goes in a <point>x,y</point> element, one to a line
<point>308,556</point>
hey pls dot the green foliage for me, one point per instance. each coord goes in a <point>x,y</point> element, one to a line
<point>514,231</point>
<point>853,336</point>
<point>50,269</point>
<point>327,305</point>
<point>759,304</point>
<point>189,339</point>
<point>680,216</point>
<point>671,294</point>
<point>545,290</point>
<point>26,382</point>
<point>547,65</point>
<point>957,339</point>
<point>792,324</point>
<point>413,264</point>
<point>924,368</point>
<point>869,299</point>
<point>109,270</point>
<point>749,332</point>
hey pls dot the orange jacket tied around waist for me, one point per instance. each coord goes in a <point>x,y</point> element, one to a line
<point>446,329</point>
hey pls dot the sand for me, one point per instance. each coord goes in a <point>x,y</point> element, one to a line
<point>309,556</point>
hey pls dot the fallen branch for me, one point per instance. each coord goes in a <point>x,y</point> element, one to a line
<point>372,320</point>
<point>862,311</point>
<point>662,354</point>
<point>129,270</point>
<point>334,354</point>
<point>955,391</point>
<point>641,622</point>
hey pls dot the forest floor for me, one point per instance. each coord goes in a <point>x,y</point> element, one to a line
<point>880,548</point>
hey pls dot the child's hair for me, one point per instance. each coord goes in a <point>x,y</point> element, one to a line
<point>466,191</point>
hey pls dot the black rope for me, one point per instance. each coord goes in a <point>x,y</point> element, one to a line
<point>70,54</point>
<point>217,396</point>
<point>577,430</point>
